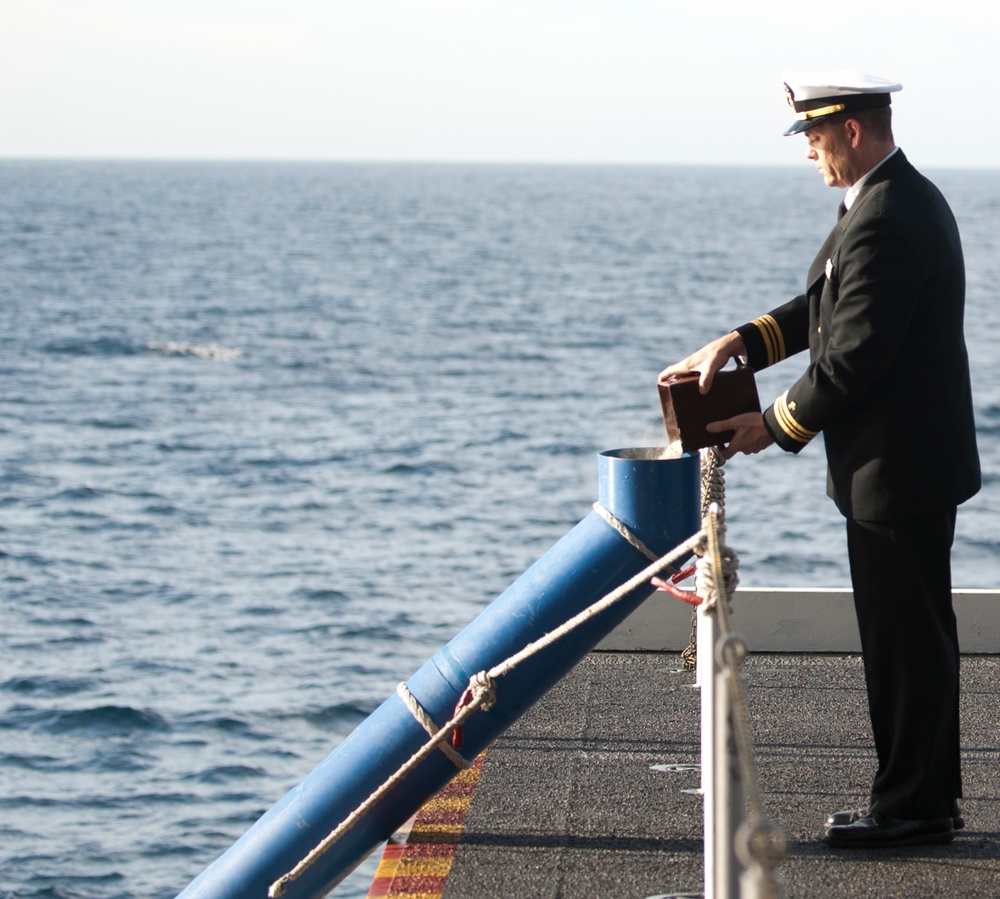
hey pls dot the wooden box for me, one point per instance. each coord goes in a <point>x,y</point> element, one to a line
<point>686,411</point>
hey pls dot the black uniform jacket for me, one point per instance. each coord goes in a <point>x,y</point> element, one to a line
<point>888,377</point>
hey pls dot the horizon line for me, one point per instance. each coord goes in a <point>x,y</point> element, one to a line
<point>539,163</point>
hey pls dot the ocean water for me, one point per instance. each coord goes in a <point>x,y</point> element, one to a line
<point>271,434</point>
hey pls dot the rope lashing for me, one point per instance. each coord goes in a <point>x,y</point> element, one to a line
<point>484,697</point>
<point>713,481</point>
<point>480,682</point>
<point>717,577</point>
<point>691,545</point>
<point>483,690</point>
<point>713,495</point>
<point>427,723</point>
<point>763,843</point>
<point>631,538</point>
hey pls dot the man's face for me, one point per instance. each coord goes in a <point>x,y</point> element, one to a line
<point>830,150</point>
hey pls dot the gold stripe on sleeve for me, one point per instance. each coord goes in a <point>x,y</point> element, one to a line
<point>787,422</point>
<point>774,340</point>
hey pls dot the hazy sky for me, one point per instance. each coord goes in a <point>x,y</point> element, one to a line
<point>634,81</point>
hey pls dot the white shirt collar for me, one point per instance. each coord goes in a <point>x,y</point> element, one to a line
<point>855,188</point>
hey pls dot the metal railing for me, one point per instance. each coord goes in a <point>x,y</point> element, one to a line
<point>742,846</point>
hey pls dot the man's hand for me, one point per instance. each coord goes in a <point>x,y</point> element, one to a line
<point>708,360</point>
<point>751,436</point>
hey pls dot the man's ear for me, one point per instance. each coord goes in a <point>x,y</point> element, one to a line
<point>852,129</point>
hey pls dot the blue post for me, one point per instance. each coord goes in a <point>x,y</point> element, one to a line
<point>657,499</point>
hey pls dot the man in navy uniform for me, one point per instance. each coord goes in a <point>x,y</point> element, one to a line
<point>888,386</point>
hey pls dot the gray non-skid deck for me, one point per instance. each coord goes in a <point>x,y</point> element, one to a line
<point>570,805</point>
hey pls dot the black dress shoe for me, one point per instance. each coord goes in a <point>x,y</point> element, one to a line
<point>839,819</point>
<point>876,831</point>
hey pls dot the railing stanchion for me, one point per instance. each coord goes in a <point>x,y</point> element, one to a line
<point>742,849</point>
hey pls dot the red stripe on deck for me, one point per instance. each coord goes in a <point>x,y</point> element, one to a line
<point>417,859</point>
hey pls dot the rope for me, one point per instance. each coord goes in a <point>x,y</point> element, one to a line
<point>716,581</point>
<point>713,482</point>
<point>765,843</point>
<point>483,695</point>
<point>631,538</point>
<point>686,548</point>
<point>420,713</point>
<point>713,492</point>
<point>624,531</point>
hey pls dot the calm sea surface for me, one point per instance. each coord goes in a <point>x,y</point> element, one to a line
<point>271,434</point>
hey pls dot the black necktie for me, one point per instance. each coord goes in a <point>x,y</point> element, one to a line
<point>841,210</point>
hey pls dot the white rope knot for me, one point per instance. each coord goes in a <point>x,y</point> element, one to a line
<point>484,690</point>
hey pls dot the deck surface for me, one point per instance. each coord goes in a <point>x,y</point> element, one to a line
<point>568,802</point>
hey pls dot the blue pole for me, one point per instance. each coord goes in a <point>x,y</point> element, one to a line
<point>657,499</point>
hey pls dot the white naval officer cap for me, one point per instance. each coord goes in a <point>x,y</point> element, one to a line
<point>816,96</point>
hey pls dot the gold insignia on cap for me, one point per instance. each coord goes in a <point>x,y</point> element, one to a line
<point>822,111</point>
<point>790,94</point>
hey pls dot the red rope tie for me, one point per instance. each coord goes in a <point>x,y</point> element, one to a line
<point>456,735</point>
<point>692,599</point>
<point>683,575</point>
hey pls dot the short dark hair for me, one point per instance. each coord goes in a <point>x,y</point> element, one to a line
<point>877,122</point>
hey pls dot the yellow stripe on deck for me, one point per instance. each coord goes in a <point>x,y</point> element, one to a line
<point>417,859</point>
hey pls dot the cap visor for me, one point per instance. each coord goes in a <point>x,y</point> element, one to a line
<point>805,124</point>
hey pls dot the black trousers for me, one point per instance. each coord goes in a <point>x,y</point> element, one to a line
<point>901,572</point>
